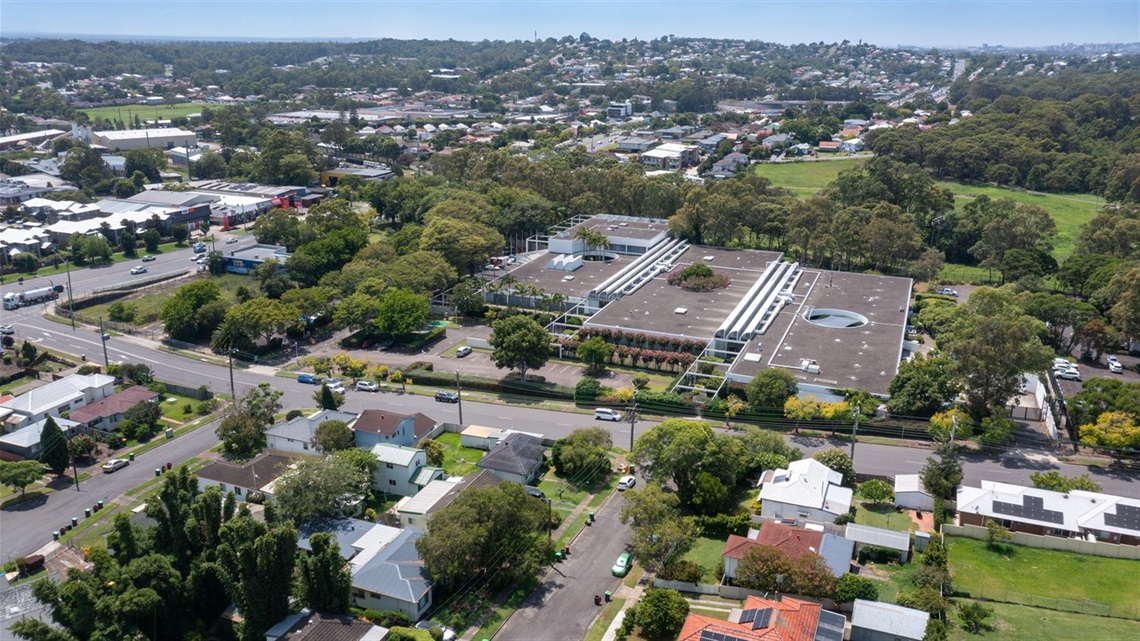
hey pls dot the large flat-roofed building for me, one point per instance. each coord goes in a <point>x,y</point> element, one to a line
<point>144,138</point>
<point>831,330</point>
<point>671,156</point>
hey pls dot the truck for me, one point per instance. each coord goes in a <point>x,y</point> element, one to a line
<point>15,300</point>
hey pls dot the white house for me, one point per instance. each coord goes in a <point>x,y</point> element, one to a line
<point>296,435</point>
<point>26,441</point>
<point>394,578</point>
<point>875,621</point>
<point>438,494</point>
<point>403,470</point>
<point>66,394</point>
<point>257,475</point>
<point>807,491</point>
<point>910,494</point>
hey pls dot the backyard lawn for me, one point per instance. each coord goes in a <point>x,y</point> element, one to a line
<point>174,407</point>
<point>1040,577</point>
<point>884,516</point>
<point>458,460</point>
<point>1022,623</point>
<point>706,553</point>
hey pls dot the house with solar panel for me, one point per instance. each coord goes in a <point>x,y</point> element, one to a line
<point>1091,516</point>
<point>782,619</point>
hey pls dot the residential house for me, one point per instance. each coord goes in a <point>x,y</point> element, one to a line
<point>439,494</point>
<point>518,458</point>
<point>807,491</point>
<point>309,626</point>
<point>792,541</point>
<point>709,144</point>
<point>852,146</point>
<point>780,619</point>
<point>634,144</point>
<point>65,395</point>
<point>671,156</point>
<point>731,163</point>
<point>910,494</point>
<point>25,443</point>
<point>676,132</point>
<point>875,621</point>
<point>104,415</point>
<point>296,435</point>
<point>14,193</point>
<point>395,578</point>
<point>373,427</point>
<point>403,470</point>
<point>829,146</point>
<point>1088,515</point>
<point>777,140</point>
<point>257,475</point>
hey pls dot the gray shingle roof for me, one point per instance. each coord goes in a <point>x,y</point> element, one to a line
<point>254,474</point>
<point>516,454</point>
<point>302,428</point>
<point>396,571</point>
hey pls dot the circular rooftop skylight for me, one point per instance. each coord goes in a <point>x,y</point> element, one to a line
<point>836,318</point>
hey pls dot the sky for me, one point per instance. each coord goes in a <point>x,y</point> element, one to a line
<point>883,22</point>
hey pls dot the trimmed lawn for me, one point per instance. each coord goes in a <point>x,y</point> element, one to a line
<point>884,516</point>
<point>1021,574</point>
<point>706,553</point>
<point>499,614</point>
<point>412,633</point>
<point>148,306</point>
<point>602,623</point>
<point>806,177</point>
<point>127,113</point>
<point>458,460</point>
<point>568,496</point>
<point>1023,623</point>
<point>176,409</point>
<point>971,274</point>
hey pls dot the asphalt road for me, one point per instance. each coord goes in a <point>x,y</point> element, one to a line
<point>562,607</point>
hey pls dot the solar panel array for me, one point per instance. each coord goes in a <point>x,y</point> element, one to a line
<point>1034,509</point>
<point>712,635</point>
<point>1126,517</point>
<point>758,617</point>
<point>830,627</point>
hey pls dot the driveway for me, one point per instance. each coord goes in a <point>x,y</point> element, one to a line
<point>562,606</point>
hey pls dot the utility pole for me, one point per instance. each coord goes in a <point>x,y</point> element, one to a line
<point>459,395</point>
<point>233,392</point>
<point>103,339</point>
<point>954,429</point>
<point>854,430</point>
<point>74,472</point>
<point>632,420</point>
<point>70,301</point>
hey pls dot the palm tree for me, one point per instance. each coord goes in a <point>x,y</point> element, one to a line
<point>506,283</point>
<point>594,240</point>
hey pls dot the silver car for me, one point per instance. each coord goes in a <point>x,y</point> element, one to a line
<point>367,386</point>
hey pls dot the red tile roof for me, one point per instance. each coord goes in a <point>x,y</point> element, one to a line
<point>792,620</point>
<point>113,405</point>
<point>737,546</point>
<point>793,541</point>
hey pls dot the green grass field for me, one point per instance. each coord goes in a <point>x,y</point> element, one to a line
<point>884,516</point>
<point>458,460</point>
<point>706,553</point>
<point>1069,211</point>
<point>127,113</point>
<point>1021,623</point>
<point>149,305</point>
<point>1035,576</point>
<point>807,177</point>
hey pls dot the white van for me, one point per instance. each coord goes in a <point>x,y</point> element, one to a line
<point>607,414</point>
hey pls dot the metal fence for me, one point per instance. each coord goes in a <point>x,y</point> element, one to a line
<point>1055,603</point>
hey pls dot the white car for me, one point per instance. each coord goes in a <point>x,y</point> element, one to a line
<point>115,464</point>
<point>606,414</point>
<point>626,482</point>
<point>946,291</point>
<point>367,386</point>
<point>1113,359</point>
<point>1115,367</point>
<point>448,633</point>
<point>1072,374</point>
<point>148,258</point>
<point>201,260</point>
<point>336,386</point>
<point>463,351</point>
<point>231,240</point>
<point>7,329</point>
<point>139,269</point>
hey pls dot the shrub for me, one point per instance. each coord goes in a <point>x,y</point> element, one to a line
<point>188,409</point>
<point>698,277</point>
<point>853,586</point>
<point>424,365</point>
<point>387,618</point>
<point>681,570</point>
<point>719,526</point>
<point>587,388</point>
<point>555,520</point>
<point>85,369</point>
<point>292,414</point>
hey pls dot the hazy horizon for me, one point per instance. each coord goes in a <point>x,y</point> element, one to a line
<point>886,23</point>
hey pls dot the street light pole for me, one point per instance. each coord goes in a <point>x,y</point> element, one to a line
<point>632,420</point>
<point>459,395</point>
<point>854,430</point>
<point>70,301</point>
<point>233,393</point>
<point>103,339</point>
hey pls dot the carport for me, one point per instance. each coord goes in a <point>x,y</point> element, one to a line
<point>879,537</point>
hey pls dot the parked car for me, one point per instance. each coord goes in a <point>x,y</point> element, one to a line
<point>448,633</point>
<point>1072,374</point>
<point>946,291</point>
<point>367,386</point>
<point>200,248</point>
<point>1113,359</point>
<point>463,351</point>
<point>148,258</point>
<point>231,240</point>
<point>446,397</point>
<point>621,566</point>
<point>1116,367</point>
<point>606,414</point>
<point>335,386</point>
<point>307,378</point>
<point>7,329</point>
<point>138,269</point>
<point>535,492</point>
<point>115,464</point>
<point>626,482</point>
